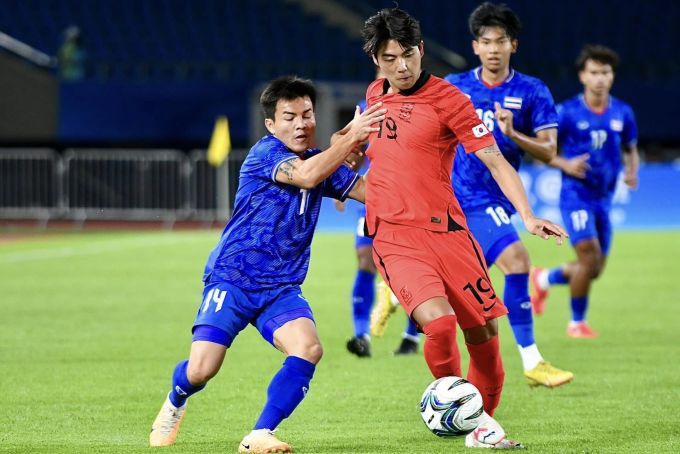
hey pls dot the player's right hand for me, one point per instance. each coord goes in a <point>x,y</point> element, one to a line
<point>339,206</point>
<point>545,229</point>
<point>361,125</point>
<point>577,166</point>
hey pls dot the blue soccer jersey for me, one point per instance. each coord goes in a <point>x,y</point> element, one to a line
<point>266,243</point>
<point>601,135</point>
<point>533,110</point>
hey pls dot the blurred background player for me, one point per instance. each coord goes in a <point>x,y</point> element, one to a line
<point>363,291</point>
<point>254,273</point>
<point>520,112</point>
<point>594,128</point>
<point>421,244</point>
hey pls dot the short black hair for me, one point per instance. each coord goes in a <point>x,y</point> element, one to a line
<point>390,23</point>
<point>598,53</point>
<point>492,15</point>
<point>288,88</point>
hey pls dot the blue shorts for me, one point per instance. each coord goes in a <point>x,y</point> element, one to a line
<point>492,228</point>
<point>230,309</point>
<point>360,239</point>
<point>587,220</point>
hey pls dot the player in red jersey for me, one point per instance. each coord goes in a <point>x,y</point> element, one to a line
<point>422,246</point>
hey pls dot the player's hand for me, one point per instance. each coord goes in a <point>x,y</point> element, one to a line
<point>545,229</point>
<point>504,119</point>
<point>340,206</point>
<point>355,158</point>
<point>361,125</point>
<point>631,179</point>
<point>577,166</point>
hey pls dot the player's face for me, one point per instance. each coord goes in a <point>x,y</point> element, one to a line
<point>597,77</point>
<point>294,123</point>
<point>494,48</point>
<point>400,66</point>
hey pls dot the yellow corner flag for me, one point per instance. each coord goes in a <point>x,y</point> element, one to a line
<point>220,142</point>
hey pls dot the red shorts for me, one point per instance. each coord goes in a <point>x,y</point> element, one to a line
<point>420,264</point>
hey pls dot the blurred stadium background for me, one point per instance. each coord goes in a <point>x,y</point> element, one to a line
<point>108,106</point>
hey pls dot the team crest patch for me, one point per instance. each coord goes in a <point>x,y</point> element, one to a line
<point>405,111</point>
<point>480,130</point>
<point>406,295</point>
<point>582,125</point>
<point>512,102</point>
<point>616,125</point>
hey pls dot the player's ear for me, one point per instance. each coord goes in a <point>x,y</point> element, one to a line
<point>475,46</point>
<point>421,48</point>
<point>269,124</point>
<point>375,60</point>
<point>515,45</point>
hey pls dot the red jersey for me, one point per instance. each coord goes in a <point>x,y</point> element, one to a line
<point>412,155</point>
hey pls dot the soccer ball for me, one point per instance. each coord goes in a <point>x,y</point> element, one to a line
<point>451,406</point>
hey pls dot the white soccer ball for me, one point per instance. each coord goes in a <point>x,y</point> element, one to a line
<point>451,406</point>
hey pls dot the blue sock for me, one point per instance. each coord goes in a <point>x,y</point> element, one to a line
<point>181,388</point>
<point>286,390</point>
<point>579,305</point>
<point>411,329</point>
<point>556,276</point>
<point>363,294</point>
<point>516,298</point>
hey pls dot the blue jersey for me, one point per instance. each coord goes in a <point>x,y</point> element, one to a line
<point>266,243</point>
<point>599,134</point>
<point>533,109</point>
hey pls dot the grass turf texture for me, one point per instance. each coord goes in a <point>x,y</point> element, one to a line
<point>92,325</point>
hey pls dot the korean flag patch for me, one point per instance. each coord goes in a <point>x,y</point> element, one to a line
<point>480,130</point>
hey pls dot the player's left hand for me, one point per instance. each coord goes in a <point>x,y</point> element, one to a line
<point>339,206</point>
<point>631,179</point>
<point>504,119</point>
<point>545,229</point>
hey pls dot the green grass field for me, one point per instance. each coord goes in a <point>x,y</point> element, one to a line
<point>92,325</point>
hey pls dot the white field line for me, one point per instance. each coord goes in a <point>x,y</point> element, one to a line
<point>98,247</point>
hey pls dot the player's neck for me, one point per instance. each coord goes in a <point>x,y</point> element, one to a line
<point>595,102</point>
<point>494,78</point>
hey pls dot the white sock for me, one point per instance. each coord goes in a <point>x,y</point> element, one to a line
<point>542,279</point>
<point>410,337</point>
<point>530,356</point>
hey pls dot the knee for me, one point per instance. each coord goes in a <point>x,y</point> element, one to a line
<point>312,352</point>
<point>200,372</point>
<point>366,263</point>
<point>593,264</point>
<point>481,334</point>
<point>515,261</point>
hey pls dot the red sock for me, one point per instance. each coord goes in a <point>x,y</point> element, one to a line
<point>440,349</point>
<point>486,372</point>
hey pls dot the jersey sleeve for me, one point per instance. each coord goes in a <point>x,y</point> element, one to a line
<point>458,114</point>
<point>543,112</point>
<point>629,134</point>
<point>339,184</point>
<point>271,159</point>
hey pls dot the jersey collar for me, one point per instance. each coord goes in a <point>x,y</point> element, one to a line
<point>422,80</point>
<point>478,75</point>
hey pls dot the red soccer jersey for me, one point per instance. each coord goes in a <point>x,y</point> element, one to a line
<point>409,182</point>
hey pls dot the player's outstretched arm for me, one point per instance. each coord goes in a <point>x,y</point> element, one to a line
<point>511,185</point>
<point>308,173</point>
